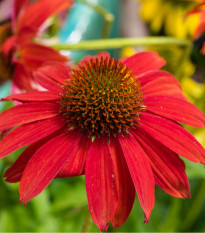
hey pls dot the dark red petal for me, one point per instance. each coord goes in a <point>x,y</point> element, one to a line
<point>22,78</point>
<point>33,96</point>
<point>125,186</point>
<point>100,183</point>
<point>8,45</point>
<point>15,172</point>
<point>158,82</point>
<point>140,171</point>
<point>51,76</point>
<point>35,55</point>
<point>75,166</point>
<point>18,7</point>
<point>25,36</point>
<point>168,168</point>
<point>45,9</point>
<point>175,109</point>
<point>144,61</point>
<point>29,133</point>
<point>172,135</point>
<point>99,55</point>
<point>203,49</point>
<point>46,163</point>
<point>26,113</point>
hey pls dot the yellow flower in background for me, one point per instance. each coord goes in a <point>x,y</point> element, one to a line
<point>173,56</point>
<point>193,90</point>
<point>169,16</point>
<point>199,135</point>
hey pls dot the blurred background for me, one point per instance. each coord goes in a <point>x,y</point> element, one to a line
<point>62,206</point>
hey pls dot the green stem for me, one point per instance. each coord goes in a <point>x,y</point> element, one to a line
<point>122,42</point>
<point>108,17</point>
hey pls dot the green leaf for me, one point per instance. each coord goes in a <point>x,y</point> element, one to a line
<point>194,170</point>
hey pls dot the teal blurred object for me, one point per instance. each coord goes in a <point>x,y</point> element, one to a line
<point>4,91</point>
<point>83,23</point>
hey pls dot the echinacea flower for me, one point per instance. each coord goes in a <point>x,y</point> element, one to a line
<point>200,30</point>
<point>116,121</point>
<point>19,54</point>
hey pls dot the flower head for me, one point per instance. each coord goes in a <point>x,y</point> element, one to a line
<point>18,53</point>
<point>102,96</point>
<point>114,121</point>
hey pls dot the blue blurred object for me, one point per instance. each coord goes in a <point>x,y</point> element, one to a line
<point>83,23</point>
<point>5,90</point>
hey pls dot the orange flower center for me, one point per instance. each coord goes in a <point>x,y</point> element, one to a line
<point>6,68</point>
<point>102,96</point>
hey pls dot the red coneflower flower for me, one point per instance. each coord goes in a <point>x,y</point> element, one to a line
<point>199,9</point>
<point>19,55</point>
<point>114,121</point>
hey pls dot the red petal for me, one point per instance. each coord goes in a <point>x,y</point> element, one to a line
<point>141,173</point>
<point>145,61</point>
<point>160,82</point>
<point>18,8</point>
<point>44,9</point>
<point>26,113</point>
<point>22,78</point>
<point>155,75</point>
<point>125,186</point>
<point>99,55</point>
<point>75,166</point>
<point>198,8</point>
<point>29,133</point>
<point>46,163</point>
<point>167,167</point>
<point>100,183</point>
<point>173,136</point>
<point>33,96</point>
<point>175,109</point>
<point>8,45</point>
<point>15,172</point>
<point>51,76</point>
<point>35,55</point>
<point>199,30</point>
<point>25,36</point>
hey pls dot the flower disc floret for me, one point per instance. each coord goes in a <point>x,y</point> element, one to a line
<point>102,96</point>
